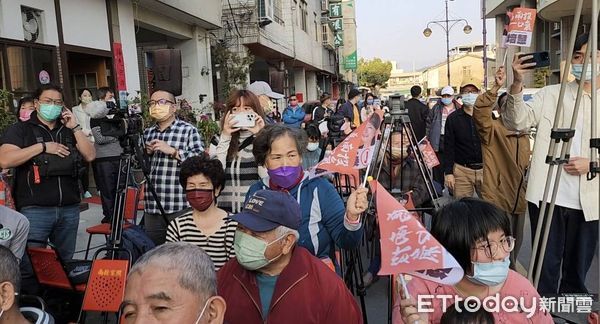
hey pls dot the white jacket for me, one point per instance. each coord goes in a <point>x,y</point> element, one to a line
<point>540,112</point>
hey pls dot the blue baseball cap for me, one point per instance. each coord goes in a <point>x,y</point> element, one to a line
<point>266,210</point>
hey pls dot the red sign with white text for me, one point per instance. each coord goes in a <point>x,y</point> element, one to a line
<point>429,156</point>
<point>355,151</point>
<point>520,28</point>
<point>407,247</point>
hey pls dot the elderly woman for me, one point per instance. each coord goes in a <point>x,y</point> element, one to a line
<point>478,235</point>
<point>205,225</point>
<point>325,221</point>
<point>173,283</point>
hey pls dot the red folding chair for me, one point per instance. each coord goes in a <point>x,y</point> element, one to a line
<point>105,288</point>
<point>132,198</point>
<point>49,269</point>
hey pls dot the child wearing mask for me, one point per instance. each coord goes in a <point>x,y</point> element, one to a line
<point>313,149</point>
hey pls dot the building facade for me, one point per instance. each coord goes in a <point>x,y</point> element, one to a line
<point>292,43</point>
<point>464,64</point>
<point>95,43</point>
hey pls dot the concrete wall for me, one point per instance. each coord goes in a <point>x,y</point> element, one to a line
<point>311,86</point>
<point>127,39</point>
<point>11,22</point>
<point>208,10</point>
<point>300,82</point>
<point>85,23</point>
<point>195,55</point>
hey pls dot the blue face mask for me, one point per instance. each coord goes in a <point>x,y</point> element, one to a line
<point>447,101</point>
<point>577,71</point>
<point>490,273</point>
<point>469,99</point>
<point>369,101</point>
<point>50,112</point>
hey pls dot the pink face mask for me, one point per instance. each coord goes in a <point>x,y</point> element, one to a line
<point>25,114</point>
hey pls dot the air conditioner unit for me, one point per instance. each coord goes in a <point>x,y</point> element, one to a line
<point>324,5</point>
<point>265,12</point>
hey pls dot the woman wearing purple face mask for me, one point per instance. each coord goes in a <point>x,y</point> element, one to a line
<point>205,225</point>
<point>26,107</point>
<point>325,220</point>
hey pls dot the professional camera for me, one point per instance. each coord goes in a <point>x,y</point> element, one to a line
<point>121,124</point>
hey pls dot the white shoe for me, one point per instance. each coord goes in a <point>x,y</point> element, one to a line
<point>87,194</point>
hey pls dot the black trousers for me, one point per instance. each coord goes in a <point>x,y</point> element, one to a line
<point>572,241</point>
<point>106,173</point>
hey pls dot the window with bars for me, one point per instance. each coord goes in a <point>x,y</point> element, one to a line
<point>278,12</point>
<point>303,16</point>
<point>316,27</point>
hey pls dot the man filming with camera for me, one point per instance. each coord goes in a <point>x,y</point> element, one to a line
<point>169,142</point>
<point>574,230</point>
<point>47,152</point>
<point>108,152</point>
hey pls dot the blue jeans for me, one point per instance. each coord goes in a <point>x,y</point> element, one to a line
<point>57,224</point>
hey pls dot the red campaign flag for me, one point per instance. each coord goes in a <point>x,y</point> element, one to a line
<point>407,247</point>
<point>354,152</point>
<point>429,156</point>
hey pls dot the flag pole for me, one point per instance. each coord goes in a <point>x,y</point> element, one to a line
<point>405,290</point>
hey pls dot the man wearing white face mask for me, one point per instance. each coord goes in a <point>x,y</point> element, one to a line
<point>169,142</point>
<point>574,229</point>
<point>463,164</point>
<point>108,155</point>
<point>272,280</point>
<point>174,283</point>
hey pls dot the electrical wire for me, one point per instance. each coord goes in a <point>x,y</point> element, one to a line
<point>233,17</point>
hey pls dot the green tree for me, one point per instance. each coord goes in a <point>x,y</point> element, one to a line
<point>233,68</point>
<point>374,73</point>
<point>540,77</point>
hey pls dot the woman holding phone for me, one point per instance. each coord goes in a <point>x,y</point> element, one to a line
<point>244,118</point>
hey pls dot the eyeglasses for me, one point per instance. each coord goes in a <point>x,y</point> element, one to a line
<point>468,92</point>
<point>491,248</point>
<point>152,103</point>
<point>48,101</point>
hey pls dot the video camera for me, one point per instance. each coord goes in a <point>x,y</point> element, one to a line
<point>121,124</point>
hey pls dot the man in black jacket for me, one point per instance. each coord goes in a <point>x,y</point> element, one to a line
<point>417,111</point>
<point>46,151</point>
<point>350,109</point>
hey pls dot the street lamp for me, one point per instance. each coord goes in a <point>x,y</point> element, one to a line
<point>445,24</point>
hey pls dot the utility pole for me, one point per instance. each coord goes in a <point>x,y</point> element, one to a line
<point>446,26</point>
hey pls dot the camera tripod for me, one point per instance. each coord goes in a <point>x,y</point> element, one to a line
<point>132,153</point>
<point>560,145</point>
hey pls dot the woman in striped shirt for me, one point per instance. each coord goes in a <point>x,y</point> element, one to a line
<point>205,225</point>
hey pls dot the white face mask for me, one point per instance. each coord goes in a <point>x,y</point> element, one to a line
<point>202,312</point>
<point>312,146</point>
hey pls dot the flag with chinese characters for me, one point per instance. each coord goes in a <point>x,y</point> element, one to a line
<point>355,152</point>
<point>520,27</point>
<point>407,247</point>
<point>429,156</point>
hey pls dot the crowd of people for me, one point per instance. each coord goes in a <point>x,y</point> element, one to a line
<point>245,232</point>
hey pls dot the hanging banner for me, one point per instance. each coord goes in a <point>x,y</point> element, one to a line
<point>407,247</point>
<point>119,64</point>
<point>350,61</point>
<point>520,27</point>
